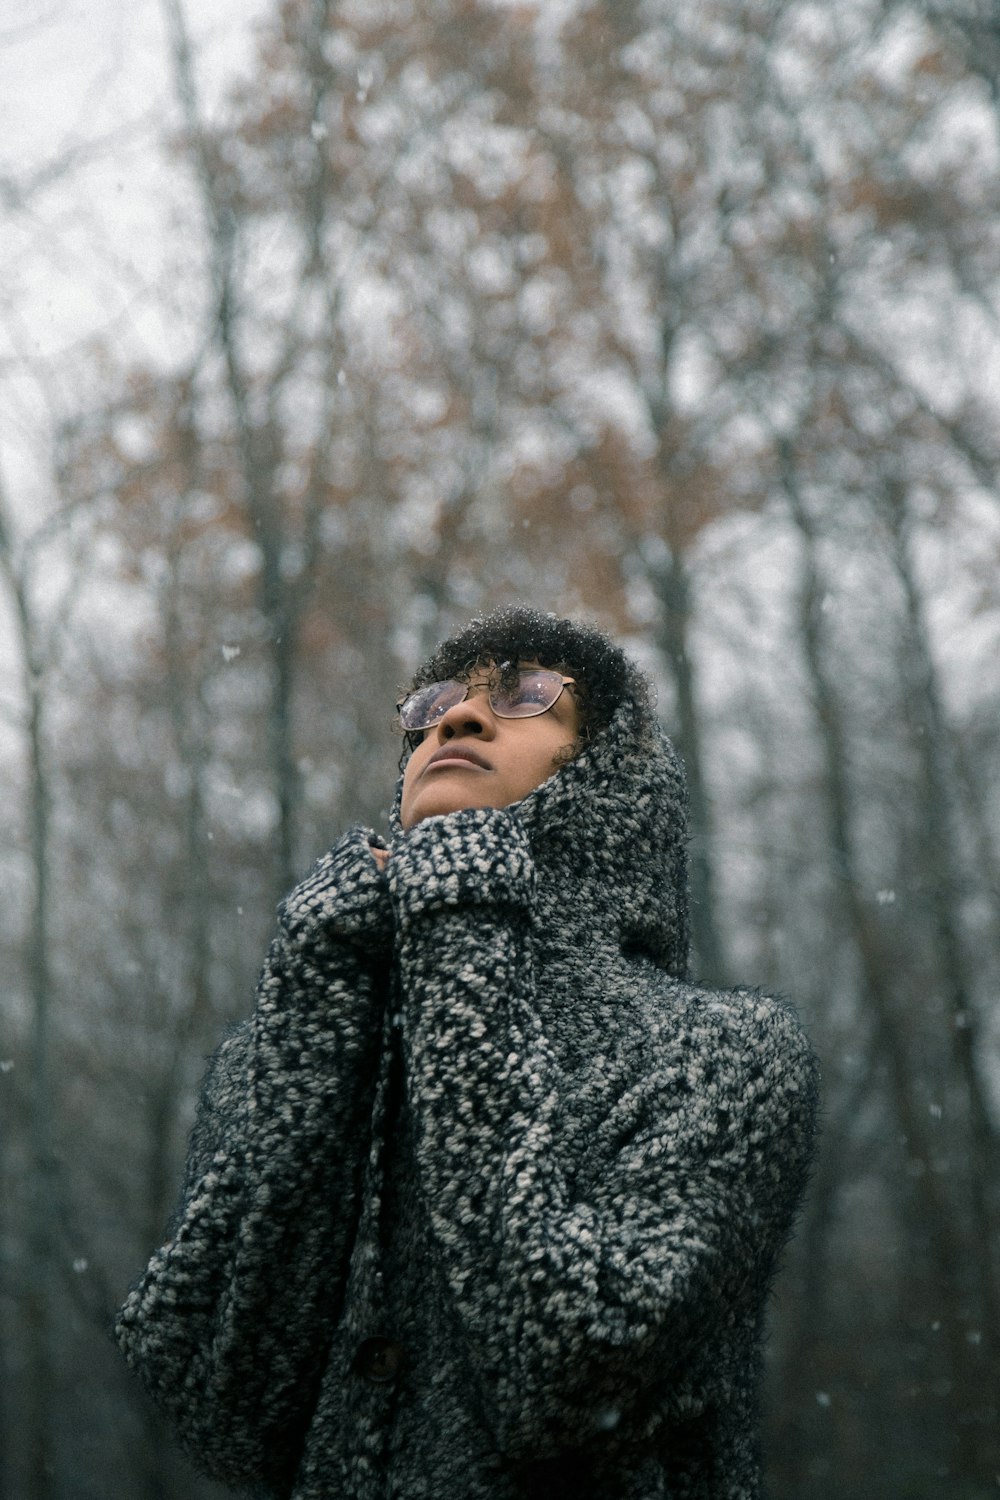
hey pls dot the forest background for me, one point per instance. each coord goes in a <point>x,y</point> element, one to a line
<point>371,314</point>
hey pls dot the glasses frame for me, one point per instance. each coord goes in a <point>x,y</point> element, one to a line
<point>564,683</point>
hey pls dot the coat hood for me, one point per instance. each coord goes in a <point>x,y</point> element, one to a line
<point>608,834</point>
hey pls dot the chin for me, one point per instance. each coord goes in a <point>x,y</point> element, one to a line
<point>436,807</point>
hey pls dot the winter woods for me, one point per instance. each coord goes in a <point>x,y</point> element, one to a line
<point>682,317</point>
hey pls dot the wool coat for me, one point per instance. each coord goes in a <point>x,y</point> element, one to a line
<point>484,1200</point>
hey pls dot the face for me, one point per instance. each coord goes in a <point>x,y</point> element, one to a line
<point>473,758</point>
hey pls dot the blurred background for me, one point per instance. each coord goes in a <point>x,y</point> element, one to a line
<point>326,324</point>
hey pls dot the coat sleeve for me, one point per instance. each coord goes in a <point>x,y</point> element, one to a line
<point>575,1311</point>
<point>228,1326</point>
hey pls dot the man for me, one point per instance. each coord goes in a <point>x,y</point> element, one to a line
<point>485,1199</point>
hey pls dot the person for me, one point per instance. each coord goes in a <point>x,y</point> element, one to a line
<point>485,1199</point>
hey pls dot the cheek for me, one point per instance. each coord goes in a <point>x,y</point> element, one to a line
<point>546,757</point>
<point>410,773</point>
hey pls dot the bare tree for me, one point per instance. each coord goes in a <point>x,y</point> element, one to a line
<point>38,637</point>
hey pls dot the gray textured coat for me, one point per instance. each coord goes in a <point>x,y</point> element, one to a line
<point>485,1199</point>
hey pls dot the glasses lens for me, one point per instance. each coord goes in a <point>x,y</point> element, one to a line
<point>534,691</point>
<point>424,707</point>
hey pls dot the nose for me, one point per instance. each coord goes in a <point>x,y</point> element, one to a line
<point>472,716</point>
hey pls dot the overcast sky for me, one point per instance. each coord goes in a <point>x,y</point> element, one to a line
<point>85,94</point>
<point>91,77</point>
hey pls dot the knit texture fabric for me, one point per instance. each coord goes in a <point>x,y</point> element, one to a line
<point>485,1199</point>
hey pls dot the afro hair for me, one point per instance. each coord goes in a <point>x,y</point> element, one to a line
<point>605,677</point>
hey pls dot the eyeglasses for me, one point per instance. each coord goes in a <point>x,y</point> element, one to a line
<point>532,692</point>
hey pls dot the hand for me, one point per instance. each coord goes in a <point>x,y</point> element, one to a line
<point>380,856</point>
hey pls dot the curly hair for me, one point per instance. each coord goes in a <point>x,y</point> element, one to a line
<point>604,675</point>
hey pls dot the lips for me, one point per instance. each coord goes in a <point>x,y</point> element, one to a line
<point>456,752</point>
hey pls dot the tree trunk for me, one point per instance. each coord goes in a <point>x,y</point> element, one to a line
<point>42,1194</point>
<point>945,1242</point>
<point>43,1187</point>
<point>673,587</point>
<point>281,597</point>
<point>974,1137</point>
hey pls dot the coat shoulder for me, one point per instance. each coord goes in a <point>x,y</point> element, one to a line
<point>759,1030</point>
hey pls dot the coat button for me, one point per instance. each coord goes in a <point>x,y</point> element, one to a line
<point>379,1359</point>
